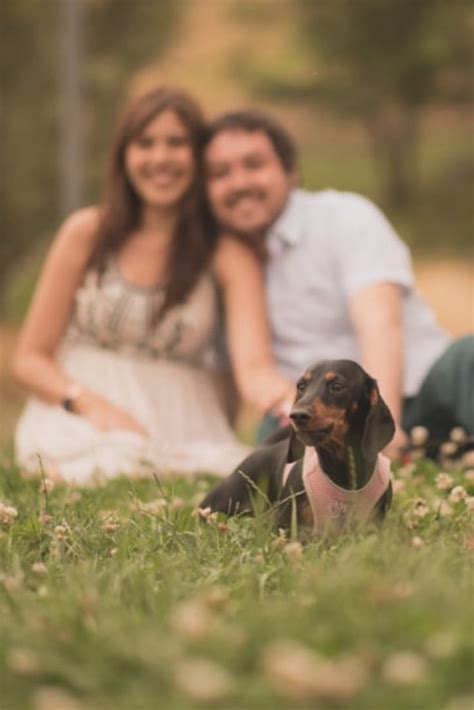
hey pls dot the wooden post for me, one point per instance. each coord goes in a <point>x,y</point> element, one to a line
<point>70,121</point>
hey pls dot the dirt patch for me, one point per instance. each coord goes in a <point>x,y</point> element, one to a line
<point>448,286</point>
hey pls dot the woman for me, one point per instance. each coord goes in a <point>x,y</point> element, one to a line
<point>125,307</point>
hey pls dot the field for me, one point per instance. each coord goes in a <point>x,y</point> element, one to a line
<point>119,598</point>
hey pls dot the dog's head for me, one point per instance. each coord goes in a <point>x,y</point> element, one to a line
<point>338,403</point>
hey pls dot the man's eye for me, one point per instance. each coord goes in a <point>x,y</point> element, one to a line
<point>301,386</point>
<point>215,173</point>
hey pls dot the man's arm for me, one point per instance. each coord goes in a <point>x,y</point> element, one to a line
<point>376,313</point>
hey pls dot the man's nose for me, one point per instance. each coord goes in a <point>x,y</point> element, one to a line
<point>239,180</point>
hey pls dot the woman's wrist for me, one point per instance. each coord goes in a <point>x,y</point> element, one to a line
<point>74,392</point>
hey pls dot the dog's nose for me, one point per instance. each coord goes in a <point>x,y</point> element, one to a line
<point>300,417</point>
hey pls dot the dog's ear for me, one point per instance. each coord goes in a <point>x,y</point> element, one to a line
<point>295,448</point>
<point>379,426</point>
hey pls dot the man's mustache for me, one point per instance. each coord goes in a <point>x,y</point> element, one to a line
<point>238,195</point>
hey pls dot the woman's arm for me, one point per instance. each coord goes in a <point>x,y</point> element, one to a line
<point>376,313</point>
<point>240,277</point>
<point>34,364</point>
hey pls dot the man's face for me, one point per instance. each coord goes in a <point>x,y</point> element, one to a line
<point>247,185</point>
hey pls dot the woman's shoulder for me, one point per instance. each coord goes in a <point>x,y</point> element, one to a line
<point>76,238</point>
<point>80,229</point>
<point>229,248</point>
<point>83,222</point>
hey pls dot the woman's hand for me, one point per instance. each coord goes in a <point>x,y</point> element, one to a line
<point>105,416</point>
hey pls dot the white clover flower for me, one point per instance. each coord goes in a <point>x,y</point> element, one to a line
<point>468,459</point>
<point>46,485</point>
<point>444,481</point>
<point>204,513</point>
<point>448,448</point>
<point>154,507</point>
<point>49,697</point>
<point>458,435</point>
<point>203,681</point>
<point>469,475</point>
<point>420,508</point>
<point>293,550</point>
<point>192,620</point>
<point>176,503</point>
<point>419,435</point>
<point>12,582</point>
<point>417,542</point>
<point>215,597</point>
<point>45,518</point>
<point>23,662</point>
<point>60,532</point>
<point>39,568</point>
<point>470,503</point>
<point>8,514</point>
<point>445,509</point>
<point>398,485</point>
<point>299,674</point>
<point>404,668</point>
<point>111,526</point>
<point>457,495</point>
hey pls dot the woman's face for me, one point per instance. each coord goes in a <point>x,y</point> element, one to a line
<point>159,162</point>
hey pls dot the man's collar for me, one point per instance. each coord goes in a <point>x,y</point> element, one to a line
<point>287,229</point>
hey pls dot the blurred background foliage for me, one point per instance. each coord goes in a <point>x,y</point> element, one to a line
<point>378,94</point>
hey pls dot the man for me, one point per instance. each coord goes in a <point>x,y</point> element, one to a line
<point>338,279</point>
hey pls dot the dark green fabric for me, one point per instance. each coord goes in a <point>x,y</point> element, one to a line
<point>268,425</point>
<point>446,397</point>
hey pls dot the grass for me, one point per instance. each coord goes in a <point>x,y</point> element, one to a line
<point>136,604</point>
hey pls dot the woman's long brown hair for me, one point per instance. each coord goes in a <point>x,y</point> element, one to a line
<point>195,234</point>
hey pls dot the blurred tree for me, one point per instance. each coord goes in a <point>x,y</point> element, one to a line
<point>382,61</point>
<point>119,37</point>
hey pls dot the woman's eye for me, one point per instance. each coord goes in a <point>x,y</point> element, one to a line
<point>143,142</point>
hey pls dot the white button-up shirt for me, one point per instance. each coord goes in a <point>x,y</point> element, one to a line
<point>324,247</point>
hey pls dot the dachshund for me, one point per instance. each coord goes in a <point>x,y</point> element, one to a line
<point>324,467</point>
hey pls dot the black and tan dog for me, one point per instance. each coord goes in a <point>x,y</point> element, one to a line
<point>325,467</point>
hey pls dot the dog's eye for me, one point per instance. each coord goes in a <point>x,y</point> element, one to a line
<point>336,386</point>
<point>301,386</point>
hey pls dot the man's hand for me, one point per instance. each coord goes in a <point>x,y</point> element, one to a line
<point>270,393</point>
<point>395,448</point>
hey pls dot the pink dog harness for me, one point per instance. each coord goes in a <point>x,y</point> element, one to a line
<point>333,506</point>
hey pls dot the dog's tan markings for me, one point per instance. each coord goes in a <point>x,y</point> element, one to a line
<point>307,377</point>
<point>329,376</point>
<point>374,397</point>
<point>354,406</point>
<point>324,416</point>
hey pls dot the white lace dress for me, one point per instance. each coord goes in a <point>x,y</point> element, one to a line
<point>112,348</point>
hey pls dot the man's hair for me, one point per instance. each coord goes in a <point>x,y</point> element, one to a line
<point>250,120</point>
